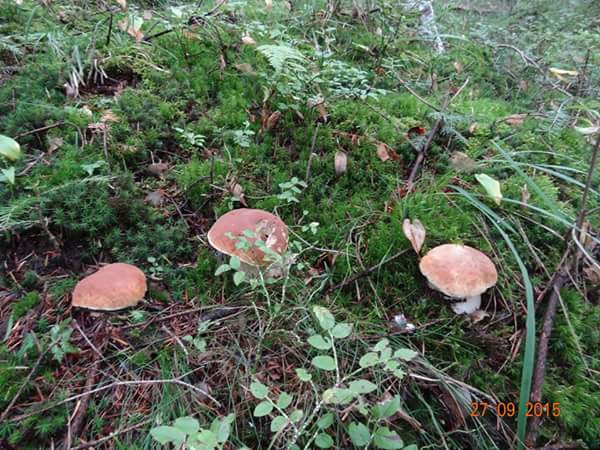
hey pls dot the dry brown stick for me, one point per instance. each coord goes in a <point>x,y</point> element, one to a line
<point>421,156</point>
<point>560,278</point>
<point>540,365</point>
<point>39,130</point>
<point>365,272</point>
<point>93,444</point>
<point>76,421</point>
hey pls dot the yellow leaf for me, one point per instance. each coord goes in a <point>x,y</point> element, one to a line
<point>491,186</point>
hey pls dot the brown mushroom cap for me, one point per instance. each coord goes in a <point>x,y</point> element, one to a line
<point>115,286</point>
<point>458,271</point>
<point>268,227</point>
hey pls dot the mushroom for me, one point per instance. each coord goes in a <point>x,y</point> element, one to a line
<point>115,286</point>
<point>228,231</point>
<point>460,272</point>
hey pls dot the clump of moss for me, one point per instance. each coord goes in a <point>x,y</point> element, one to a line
<point>25,304</point>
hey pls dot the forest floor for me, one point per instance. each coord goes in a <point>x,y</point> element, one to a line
<point>141,123</point>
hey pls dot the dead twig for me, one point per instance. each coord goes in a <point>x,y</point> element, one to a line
<point>39,130</point>
<point>365,272</point>
<point>93,444</point>
<point>559,279</point>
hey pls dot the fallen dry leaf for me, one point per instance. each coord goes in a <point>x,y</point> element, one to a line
<point>515,119</point>
<point>157,169</point>
<point>155,198</point>
<point>415,233</point>
<point>269,4</point>
<point>458,67</point>
<point>54,143</point>
<point>245,68</point>
<point>461,162</point>
<point>272,120</point>
<point>562,74</point>
<point>109,116</point>
<point>247,40</point>
<point>237,191</point>
<point>592,274</point>
<point>385,152</point>
<point>340,162</point>
<point>122,4</point>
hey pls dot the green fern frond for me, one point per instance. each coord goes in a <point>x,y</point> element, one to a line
<point>283,57</point>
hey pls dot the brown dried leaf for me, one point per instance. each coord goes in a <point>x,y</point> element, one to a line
<point>592,274</point>
<point>158,169</point>
<point>272,120</point>
<point>340,162</point>
<point>385,152</point>
<point>248,40</point>
<point>458,67</point>
<point>515,119</point>
<point>237,191</point>
<point>525,195</point>
<point>461,162</point>
<point>245,68</point>
<point>54,143</point>
<point>109,116</point>
<point>122,4</point>
<point>155,198</point>
<point>415,233</point>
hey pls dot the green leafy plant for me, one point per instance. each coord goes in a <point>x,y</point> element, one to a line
<point>61,345</point>
<point>290,189</point>
<point>370,428</point>
<point>10,150</point>
<point>186,433</point>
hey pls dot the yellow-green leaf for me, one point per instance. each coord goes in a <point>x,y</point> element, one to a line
<point>491,186</point>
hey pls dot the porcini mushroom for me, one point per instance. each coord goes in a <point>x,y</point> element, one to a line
<point>115,286</point>
<point>228,231</point>
<point>460,272</point>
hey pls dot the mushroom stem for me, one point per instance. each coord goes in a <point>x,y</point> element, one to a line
<point>469,306</point>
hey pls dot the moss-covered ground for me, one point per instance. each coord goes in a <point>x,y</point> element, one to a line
<point>133,147</point>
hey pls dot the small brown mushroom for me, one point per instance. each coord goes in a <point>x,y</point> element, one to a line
<point>115,286</point>
<point>460,272</point>
<point>227,235</point>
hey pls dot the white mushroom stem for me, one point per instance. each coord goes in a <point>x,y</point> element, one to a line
<point>469,306</point>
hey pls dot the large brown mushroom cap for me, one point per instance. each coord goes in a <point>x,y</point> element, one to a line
<point>268,227</point>
<point>115,286</point>
<point>458,271</point>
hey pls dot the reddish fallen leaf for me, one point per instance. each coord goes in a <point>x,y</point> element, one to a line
<point>515,119</point>
<point>272,120</point>
<point>416,131</point>
<point>157,169</point>
<point>415,233</point>
<point>385,152</point>
<point>340,162</point>
<point>248,40</point>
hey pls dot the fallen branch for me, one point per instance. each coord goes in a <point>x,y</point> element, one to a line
<point>558,280</point>
<point>365,272</point>
<point>39,130</point>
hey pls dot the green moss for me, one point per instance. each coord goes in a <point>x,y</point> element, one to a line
<point>25,304</point>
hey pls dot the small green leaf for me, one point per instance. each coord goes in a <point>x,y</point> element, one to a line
<point>187,424</point>
<point>362,386</point>
<point>491,186</point>
<point>9,148</point>
<point>278,424</point>
<point>325,421</point>
<point>264,408</point>
<point>359,434</point>
<point>399,373</point>
<point>325,318</point>
<point>386,409</point>
<point>207,439</point>
<point>259,390</point>
<point>8,175</point>
<point>284,400</point>
<point>89,168</point>
<point>166,434</point>
<point>341,330</point>
<point>381,345</point>
<point>324,362</point>
<point>296,415</point>
<point>323,440</point>
<point>238,278</point>
<point>221,269</point>
<point>387,439</point>
<point>317,341</point>
<point>234,262</point>
<point>222,427</point>
<point>338,396</point>
<point>369,360</point>
<point>385,354</point>
<point>405,354</point>
<point>303,375</point>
